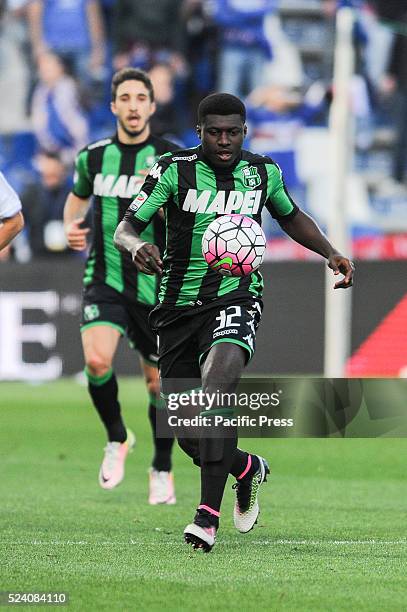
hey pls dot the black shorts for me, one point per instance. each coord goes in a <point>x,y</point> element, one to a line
<point>103,305</point>
<point>185,342</point>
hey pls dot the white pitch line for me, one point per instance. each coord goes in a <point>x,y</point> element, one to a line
<point>225,541</point>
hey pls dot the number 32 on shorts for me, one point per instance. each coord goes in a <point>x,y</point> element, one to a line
<point>226,317</point>
<point>239,323</point>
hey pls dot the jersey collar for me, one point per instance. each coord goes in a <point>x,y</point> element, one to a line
<point>130,147</point>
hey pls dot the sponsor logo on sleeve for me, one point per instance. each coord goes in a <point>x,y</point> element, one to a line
<point>141,198</point>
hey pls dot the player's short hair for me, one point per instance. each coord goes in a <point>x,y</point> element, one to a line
<point>221,104</point>
<point>55,155</point>
<point>131,74</point>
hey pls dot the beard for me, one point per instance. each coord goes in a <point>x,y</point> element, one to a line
<point>132,133</point>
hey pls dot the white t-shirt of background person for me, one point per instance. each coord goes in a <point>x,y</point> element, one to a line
<point>10,203</point>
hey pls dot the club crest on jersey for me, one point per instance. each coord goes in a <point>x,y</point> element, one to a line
<point>251,177</point>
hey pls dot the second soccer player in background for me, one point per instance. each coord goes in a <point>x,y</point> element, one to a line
<point>117,299</point>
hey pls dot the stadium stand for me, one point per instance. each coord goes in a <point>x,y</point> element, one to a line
<point>186,44</point>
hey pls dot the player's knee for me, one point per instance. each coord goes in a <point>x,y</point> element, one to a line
<point>223,366</point>
<point>97,365</point>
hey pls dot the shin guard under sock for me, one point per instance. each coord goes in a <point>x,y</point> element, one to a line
<point>104,393</point>
<point>162,446</point>
<point>214,475</point>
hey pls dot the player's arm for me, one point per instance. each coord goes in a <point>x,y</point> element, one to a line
<point>154,194</point>
<point>74,215</point>
<point>97,34</point>
<point>11,218</point>
<point>303,229</point>
<point>9,228</point>
<point>34,14</point>
<point>77,204</point>
<point>145,256</point>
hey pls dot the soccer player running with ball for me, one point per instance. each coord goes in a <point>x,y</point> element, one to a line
<point>194,186</point>
<point>117,298</point>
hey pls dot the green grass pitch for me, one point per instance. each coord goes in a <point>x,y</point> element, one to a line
<point>331,534</point>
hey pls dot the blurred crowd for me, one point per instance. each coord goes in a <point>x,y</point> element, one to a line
<point>57,58</point>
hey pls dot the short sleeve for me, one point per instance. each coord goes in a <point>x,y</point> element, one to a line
<point>157,189</point>
<point>82,184</point>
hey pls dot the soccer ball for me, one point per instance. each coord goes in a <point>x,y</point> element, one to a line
<point>234,245</point>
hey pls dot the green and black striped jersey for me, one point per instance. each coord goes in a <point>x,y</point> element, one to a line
<point>109,171</point>
<point>193,193</point>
